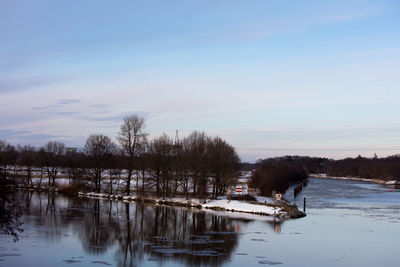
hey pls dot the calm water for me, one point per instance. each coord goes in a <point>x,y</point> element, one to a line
<point>348,224</point>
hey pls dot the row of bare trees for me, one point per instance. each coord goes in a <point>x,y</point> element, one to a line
<point>25,158</point>
<point>197,165</point>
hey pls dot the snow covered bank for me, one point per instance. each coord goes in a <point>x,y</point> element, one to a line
<point>242,206</point>
<point>378,181</point>
<point>265,207</point>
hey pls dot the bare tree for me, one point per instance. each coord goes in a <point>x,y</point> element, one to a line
<point>223,165</point>
<point>74,164</point>
<point>144,163</point>
<point>161,152</point>
<point>140,163</point>
<point>131,138</point>
<point>26,159</point>
<point>99,148</point>
<point>180,169</point>
<point>8,157</point>
<point>53,153</point>
<point>197,156</point>
<point>114,167</point>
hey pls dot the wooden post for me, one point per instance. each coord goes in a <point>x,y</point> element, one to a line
<point>304,207</point>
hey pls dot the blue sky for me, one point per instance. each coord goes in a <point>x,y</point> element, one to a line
<point>318,78</point>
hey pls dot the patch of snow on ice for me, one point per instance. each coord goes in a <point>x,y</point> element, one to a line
<point>241,206</point>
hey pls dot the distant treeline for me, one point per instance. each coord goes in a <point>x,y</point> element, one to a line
<point>387,168</point>
<point>276,175</point>
<point>193,166</point>
<point>379,168</point>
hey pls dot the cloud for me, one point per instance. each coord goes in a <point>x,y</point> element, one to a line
<point>99,106</point>
<point>67,101</point>
<point>102,118</point>
<point>77,109</point>
<point>7,133</point>
<point>264,25</point>
<point>60,104</point>
<point>116,118</point>
<point>26,137</point>
<point>22,83</point>
<point>349,12</point>
<point>16,82</point>
<point>67,113</point>
<point>45,108</point>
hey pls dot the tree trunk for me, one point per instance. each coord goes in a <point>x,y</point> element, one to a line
<point>128,182</point>
<point>143,173</point>
<point>137,183</point>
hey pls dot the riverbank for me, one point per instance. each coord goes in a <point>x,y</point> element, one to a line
<point>266,207</point>
<point>280,209</point>
<point>378,181</point>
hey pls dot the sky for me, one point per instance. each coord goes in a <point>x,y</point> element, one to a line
<point>272,78</point>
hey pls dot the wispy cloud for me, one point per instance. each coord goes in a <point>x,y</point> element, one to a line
<point>26,137</point>
<point>22,83</point>
<point>99,106</point>
<point>59,106</point>
<point>6,133</point>
<point>78,109</point>
<point>101,116</point>
<point>267,25</point>
<point>45,108</point>
<point>17,83</point>
<point>68,101</point>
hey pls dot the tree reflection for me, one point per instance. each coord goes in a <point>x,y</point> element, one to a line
<point>165,234</point>
<point>10,209</point>
<point>10,212</point>
<point>138,232</point>
<point>276,224</point>
<point>97,230</point>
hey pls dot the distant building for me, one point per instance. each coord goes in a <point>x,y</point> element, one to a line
<point>71,150</point>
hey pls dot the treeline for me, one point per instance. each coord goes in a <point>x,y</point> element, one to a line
<point>197,165</point>
<point>387,168</point>
<point>378,168</point>
<point>275,175</point>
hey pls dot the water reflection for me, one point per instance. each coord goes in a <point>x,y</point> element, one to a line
<point>82,232</point>
<point>135,232</point>
<point>10,212</point>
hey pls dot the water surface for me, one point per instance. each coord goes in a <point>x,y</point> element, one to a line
<point>348,223</point>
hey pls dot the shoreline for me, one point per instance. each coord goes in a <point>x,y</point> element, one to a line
<point>373,180</point>
<point>280,210</point>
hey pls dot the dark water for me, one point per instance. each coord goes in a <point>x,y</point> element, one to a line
<point>348,224</point>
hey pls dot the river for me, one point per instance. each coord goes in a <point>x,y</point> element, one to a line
<point>348,223</point>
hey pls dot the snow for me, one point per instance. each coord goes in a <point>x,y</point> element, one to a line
<point>242,208</point>
<point>266,200</point>
<point>236,205</point>
<point>379,181</point>
<point>219,204</point>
